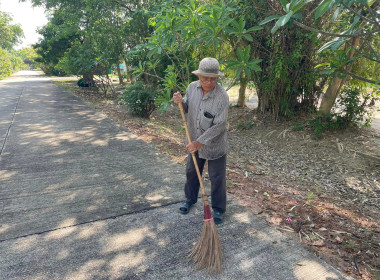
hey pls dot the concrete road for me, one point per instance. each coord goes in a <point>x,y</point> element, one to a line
<point>82,198</point>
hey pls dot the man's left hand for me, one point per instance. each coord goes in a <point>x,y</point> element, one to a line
<point>194,146</point>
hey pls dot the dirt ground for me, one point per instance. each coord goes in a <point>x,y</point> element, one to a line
<point>323,192</point>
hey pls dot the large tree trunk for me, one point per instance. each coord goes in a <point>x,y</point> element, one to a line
<point>333,90</point>
<point>242,90</point>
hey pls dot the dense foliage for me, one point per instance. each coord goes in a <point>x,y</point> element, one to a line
<point>139,98</point>
<point>10,35</point>
<point>298,55</point>
<point>348,38</point>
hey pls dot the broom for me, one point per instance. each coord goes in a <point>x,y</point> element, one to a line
<point>207,252</point>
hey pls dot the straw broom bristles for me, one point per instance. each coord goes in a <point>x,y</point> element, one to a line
<point>207,252</point>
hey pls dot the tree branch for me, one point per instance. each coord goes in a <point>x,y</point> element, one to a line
<point>158,77</point>
<point>333,34</point>
<point>368,57</point>
<point>362,54</point>
<point>361,78</point>
<point>370,47</point>
<point>359,15</point>
<point>373,13</point>
<point>124,5</point>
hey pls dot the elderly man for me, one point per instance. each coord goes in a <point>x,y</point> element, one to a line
<point>206,104</point>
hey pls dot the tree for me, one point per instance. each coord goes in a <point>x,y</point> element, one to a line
<point>243,65</point>
<point>10,36</point>
<point>186,32</point>
<point>88,38</point>
<point>58,35</point>
<point>28,55</point>
<point>354,36</point>
<point>287,82</point>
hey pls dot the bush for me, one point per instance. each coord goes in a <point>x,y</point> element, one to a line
<point>248,124</point>
<point>322,123</point>
<point>9,63</point>
<point>139,98</point>
<point>354,107</point>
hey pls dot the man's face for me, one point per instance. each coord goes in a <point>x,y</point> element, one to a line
<point>208,83</point>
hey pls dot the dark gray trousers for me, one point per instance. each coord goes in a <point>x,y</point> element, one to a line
<point>217,173</point>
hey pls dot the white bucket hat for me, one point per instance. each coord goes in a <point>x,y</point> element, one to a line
<point>208,67</point>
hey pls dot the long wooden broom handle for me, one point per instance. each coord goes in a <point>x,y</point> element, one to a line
<point>180,105</point>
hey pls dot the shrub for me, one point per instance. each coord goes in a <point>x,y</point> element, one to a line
<point>354,107</point>
<point>248,124</point>
<point>297,126</point>
<point>139,98</point>
<point>322,123</point>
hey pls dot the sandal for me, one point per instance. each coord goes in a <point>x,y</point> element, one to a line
<point>185,207</point>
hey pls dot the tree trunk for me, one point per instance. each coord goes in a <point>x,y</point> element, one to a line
<point>119,74</point>
<point>333,90</point>
<point>128,71</point>
<point>330,95</point>
<point>89,78</point>
<point>242,90</point>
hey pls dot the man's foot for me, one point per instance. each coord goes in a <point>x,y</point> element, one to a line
<point>185,207</point>
<point>218,217</point>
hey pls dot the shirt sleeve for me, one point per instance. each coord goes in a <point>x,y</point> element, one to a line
<point>219,124</point>
<point>185,100</point>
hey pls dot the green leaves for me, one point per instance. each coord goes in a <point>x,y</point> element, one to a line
<point>269,19</point>
<point>212,32</point>
<point>140,70</point>
<point>163,101</point>
<point>322,64</point>
<point>297,5</point>
<point>282,21</point>
<point>170,84</point>
<point>333,44</point>
<point>243,64</point>
<point>323,7</point>
<point>237,29</point>
<point>140,99</point>
<point>292,10</point>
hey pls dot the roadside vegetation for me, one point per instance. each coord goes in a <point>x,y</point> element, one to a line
<point>12,60</point>
<point>319,58</point>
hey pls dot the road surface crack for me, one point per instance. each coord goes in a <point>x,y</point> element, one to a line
<point>10,126</point>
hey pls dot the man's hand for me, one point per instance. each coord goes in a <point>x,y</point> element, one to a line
<point>177,97</point>
<point>194,146</point>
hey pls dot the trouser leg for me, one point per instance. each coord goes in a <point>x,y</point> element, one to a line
<point>192,182</point>
<point>217,173</point>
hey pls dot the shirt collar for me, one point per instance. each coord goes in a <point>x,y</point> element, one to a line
<point>209,94</point>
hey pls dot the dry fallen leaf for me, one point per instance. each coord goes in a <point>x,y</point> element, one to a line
<point>318,243</point>
<point>254,169</point>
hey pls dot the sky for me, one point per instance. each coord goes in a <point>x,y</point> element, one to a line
<point>30,18</point>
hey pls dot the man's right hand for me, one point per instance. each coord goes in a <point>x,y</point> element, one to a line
<point>177,97</point>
